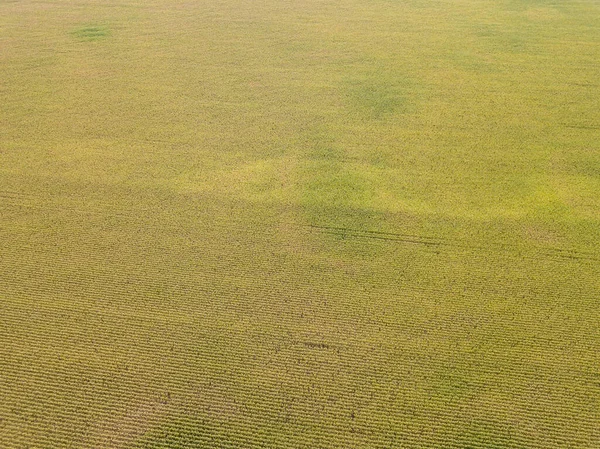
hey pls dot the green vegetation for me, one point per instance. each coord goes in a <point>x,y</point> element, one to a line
<point>91,33</point>
<point>310,224</point>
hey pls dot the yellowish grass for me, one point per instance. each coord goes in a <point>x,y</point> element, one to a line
<point>316,224</point>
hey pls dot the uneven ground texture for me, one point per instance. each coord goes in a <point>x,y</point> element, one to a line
<point>300,224</point>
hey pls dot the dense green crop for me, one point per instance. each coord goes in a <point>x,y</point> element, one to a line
<point>302,224</point>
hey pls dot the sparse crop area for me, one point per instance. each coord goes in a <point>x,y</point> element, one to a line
<point>300,224</point>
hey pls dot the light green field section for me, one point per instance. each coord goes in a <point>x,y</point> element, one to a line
<point>299,224</point>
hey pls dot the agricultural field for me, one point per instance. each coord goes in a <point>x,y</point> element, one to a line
<point>300,224</point>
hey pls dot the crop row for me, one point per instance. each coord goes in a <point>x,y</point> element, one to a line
<point>366,363</point>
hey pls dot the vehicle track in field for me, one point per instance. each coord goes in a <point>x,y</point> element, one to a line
<point>430,241</point>
<point>142,309</point>
<point>245,227</point>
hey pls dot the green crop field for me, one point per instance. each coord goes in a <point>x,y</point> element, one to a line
<point>299,224</point>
